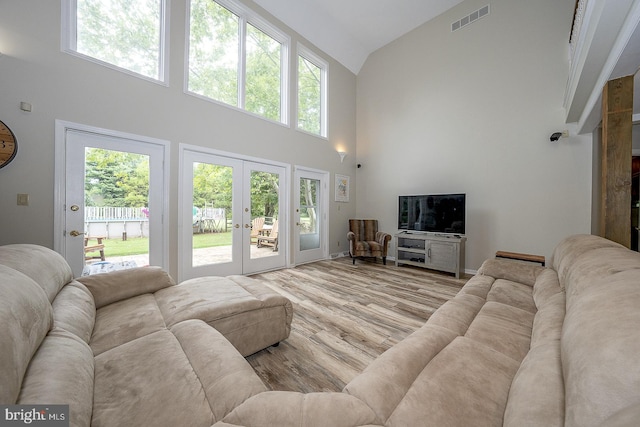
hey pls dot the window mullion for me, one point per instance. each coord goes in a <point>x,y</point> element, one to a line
<point>242,63</point>
<point>284,83</point>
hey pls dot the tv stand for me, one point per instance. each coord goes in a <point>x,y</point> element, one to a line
<point>430,250</point>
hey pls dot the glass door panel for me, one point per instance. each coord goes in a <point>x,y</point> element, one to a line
<point>310,216</point>
<point>265,206</point>
<point>230,215</point>
<point>116,211</point>
<point>113,202</point>
<point>210,203</point>
<point>308,223</point>
<point>211,241</point>
<point>265,225</point>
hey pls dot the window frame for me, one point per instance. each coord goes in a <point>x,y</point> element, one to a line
<point>69,42</point>
<point>310,56</point>
<point>246,17</point>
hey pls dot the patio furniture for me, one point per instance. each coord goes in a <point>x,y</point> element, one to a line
<point>257,226</point>
<point>88,248</point>
<point>271,239</point>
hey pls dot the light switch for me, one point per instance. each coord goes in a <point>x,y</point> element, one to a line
<point>23,199</point>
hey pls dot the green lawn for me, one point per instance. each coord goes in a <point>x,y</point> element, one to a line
<point>140,245</point>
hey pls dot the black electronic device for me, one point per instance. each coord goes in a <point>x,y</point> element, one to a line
<point>434,213</point>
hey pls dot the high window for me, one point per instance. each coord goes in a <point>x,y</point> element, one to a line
<point>312,83</point>
<point>125,34</point>
<point>237,58</point>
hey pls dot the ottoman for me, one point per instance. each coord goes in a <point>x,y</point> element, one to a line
<point>248,313</point>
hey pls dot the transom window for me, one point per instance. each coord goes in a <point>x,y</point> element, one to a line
<point>312,93</point>
<point>126,34</point>
<point>237,58</point>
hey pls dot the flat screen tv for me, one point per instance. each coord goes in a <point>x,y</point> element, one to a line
<point>434,213</point>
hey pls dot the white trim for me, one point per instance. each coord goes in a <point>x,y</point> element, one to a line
<point>594,102</point>
<point>215,152</point>
<point>61,129</point>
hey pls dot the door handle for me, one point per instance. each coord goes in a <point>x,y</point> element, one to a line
<point>247,226</point>
<point>75,233</point>
<point>237,226</point>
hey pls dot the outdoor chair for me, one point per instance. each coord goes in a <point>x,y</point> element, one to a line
<point>257,226</point>
<point>271,239</point>
<point>88,248</point>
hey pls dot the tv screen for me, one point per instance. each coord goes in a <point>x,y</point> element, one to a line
<point>436,213</point>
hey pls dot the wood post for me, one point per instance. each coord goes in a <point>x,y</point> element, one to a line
<point>617,111</point>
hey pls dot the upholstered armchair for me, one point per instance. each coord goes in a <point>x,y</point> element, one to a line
<point>366,241</point>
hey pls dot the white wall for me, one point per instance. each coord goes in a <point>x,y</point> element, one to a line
<point>61,86</point>
<point>472,111</point>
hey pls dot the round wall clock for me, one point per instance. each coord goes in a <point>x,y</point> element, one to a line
<point>8,145</point>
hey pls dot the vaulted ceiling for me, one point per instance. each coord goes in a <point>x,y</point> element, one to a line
<point>349,30</point>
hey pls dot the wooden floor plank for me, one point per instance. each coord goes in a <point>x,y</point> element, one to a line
<point>345,316</point>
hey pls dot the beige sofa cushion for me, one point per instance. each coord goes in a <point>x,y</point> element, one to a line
<point>61,372</point>
<point>226,377</point>
<point>385,382</point>
<point>536,397</point>
<point>466,384</point>
<point>248,313</point>
<point>571,249</point>
<point>600,340</point>
<point>25,307</point>
<point>284,408</point>
<point>74,310</point>
<point>513,271</point>
<point>125,321</point>
<point>152,379</point>
<point>115,286</point>
<point>52,271</point>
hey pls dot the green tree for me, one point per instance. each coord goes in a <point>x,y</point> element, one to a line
<point>213,51</point>
<point>214,62</point>
<point>263,74</point>
<point>116,178</point>
<point>212,184</point>
<point>264,194</point>
<point>309,201</point>
<point>309,96</point>
<point>125,33</point>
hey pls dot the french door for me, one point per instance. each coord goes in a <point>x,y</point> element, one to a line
<point>310,215</point>
<point>110,188</point>
<point>233,216</point>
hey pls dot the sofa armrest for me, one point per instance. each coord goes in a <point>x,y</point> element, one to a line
<point>511,270</point>
<point>285,408</point>
<point>115,286</point>
<point>351,236</point>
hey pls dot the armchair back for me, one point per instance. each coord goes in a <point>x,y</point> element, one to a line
<point>366,241</point>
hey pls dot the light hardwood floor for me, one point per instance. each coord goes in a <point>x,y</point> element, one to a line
<point>344,317</point>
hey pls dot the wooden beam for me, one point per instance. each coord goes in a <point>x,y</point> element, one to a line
<point>617,111</point>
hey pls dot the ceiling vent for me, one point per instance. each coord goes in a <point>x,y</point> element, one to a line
<point>472,17</point>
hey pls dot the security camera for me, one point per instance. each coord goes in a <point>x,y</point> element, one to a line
<point>555,136</point>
